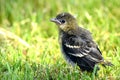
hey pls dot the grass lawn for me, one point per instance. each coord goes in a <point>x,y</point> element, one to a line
<point>42,58</point>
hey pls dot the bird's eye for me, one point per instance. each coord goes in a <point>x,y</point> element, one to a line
<point>62,21</point>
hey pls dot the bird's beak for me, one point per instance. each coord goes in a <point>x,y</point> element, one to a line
<point>55,20</point>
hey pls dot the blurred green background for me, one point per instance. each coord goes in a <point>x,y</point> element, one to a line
<point>30,20</point>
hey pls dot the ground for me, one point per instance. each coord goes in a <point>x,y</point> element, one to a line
<point>41,59</point>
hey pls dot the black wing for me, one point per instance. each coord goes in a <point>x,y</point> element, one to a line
<point>82,50</point>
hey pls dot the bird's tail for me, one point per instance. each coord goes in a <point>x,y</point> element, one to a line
<point>106,63</point>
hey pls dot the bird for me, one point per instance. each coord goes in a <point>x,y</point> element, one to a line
<point>77,44</point>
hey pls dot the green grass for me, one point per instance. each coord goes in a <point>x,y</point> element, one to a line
<point>29,19</point>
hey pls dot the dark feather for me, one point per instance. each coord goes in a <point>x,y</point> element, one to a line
<point>84,53</point>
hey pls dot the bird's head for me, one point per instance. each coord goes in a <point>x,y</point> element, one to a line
<point>65,21</point>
